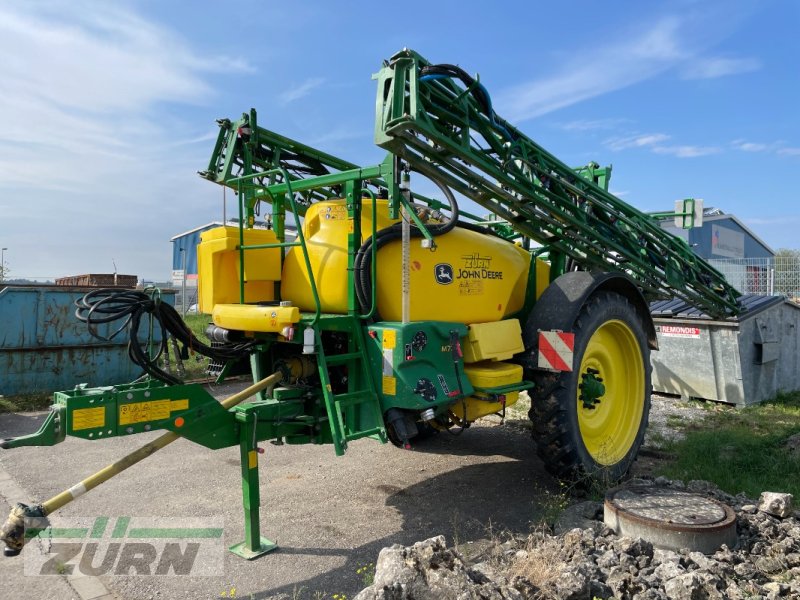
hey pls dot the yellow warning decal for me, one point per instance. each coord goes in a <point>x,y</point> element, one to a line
<point>390,386</point>
<point>139,412</point>
<point>88,418</point>
<point>389,339</point>
<point>252,459</point>
<point>179,404</point>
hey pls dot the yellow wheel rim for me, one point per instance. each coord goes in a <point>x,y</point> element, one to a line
<point>609,429</point>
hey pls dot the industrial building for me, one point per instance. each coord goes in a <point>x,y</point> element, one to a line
<point>730,246</point>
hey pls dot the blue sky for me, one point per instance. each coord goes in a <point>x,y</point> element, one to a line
<point>108,107</point>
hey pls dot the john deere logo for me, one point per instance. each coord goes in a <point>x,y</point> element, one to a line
<point>443,273</point>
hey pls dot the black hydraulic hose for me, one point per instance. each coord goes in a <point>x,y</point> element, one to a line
<point>443,228</point>
<point>478,92</point>
<point>458,355</point>
<point>107,305</point>
<point>363,264</point>
<point>363,260</point>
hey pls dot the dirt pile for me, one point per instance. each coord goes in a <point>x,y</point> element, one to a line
<point>593,562</point>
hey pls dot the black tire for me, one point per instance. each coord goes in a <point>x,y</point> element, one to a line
<point>555,407</point>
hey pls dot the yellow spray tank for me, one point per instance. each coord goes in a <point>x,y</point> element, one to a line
<point>470,277</point>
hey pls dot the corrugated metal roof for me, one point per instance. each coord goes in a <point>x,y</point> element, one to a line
<point>231,223</point>
<point>677,308</point>
<point>196,229</point>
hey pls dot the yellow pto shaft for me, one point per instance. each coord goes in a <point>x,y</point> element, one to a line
<point>13,531</point>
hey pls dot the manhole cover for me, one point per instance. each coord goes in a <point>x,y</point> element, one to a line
<point>670,518</point>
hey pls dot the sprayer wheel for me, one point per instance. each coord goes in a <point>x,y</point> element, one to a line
<point>599,438</point>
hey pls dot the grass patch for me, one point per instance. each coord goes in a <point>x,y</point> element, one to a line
<point>25,403</point>
<point>741,450</point>
<point>517,413</point>
<point>198,323</point>
<point>196,364</point>
<point>542,564</point>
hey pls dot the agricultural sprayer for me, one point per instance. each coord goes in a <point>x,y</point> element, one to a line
<point>389,314</point>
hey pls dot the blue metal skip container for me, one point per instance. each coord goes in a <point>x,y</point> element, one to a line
<point>45,348</point>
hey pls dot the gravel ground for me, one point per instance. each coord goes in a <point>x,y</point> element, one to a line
<point>329,515</point>
<point>668,415</point>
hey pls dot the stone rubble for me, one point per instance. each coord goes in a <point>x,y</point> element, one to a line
<point>594,563</point>
<point>776,504</point>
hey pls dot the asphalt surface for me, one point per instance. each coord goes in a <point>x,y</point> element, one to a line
<point>330,516</point>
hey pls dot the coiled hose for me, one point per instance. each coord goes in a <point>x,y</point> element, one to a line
<point>363,260</point>
<point>107,305</point>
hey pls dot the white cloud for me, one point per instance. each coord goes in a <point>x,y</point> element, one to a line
<point>686,151</point>
<point>593,124</point>
<point>638,53</point>
<point>85,140</point>
<point>631,59</point>
<point>103,59</point>
<point>711,68</point>
<point>198,139</point>
<point>778,147</point>
<point>636,141</point>
<point>654,142</point>
<point>746,146</point>
<point>300,91</point>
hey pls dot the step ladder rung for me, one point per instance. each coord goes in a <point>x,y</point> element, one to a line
<point>338,359</point>
<point>356,412</point>
<point>362,434</point>
<point>353,398</point>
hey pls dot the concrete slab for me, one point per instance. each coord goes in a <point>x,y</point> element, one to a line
<point>88,588</point>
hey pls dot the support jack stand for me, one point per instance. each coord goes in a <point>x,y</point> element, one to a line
<point>253,545</point>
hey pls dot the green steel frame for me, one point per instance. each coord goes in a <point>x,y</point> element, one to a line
<point>436,124</point>
<point>191,412</point>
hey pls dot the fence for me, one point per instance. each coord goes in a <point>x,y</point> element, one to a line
<point>779,275</point>
<point>189,304</point>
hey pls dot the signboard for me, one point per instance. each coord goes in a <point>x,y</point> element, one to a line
<point>679,331</point>
<point>177,277</point>
<point>727,242</point>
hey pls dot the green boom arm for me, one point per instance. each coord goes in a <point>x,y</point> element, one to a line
<point>244,148</point>
<point>441,122</point>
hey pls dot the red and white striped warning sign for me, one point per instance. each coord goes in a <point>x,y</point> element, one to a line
<point>555,350</point>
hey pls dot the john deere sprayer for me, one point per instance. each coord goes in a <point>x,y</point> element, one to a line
<point>367,309</point>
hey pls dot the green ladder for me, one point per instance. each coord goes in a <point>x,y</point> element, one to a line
<point>356,413</point>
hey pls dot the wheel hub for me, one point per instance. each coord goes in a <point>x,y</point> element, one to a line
<point>592,388</point>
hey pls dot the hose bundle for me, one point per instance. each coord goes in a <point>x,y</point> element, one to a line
<point>476,89</point>
<point>107,305</point>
